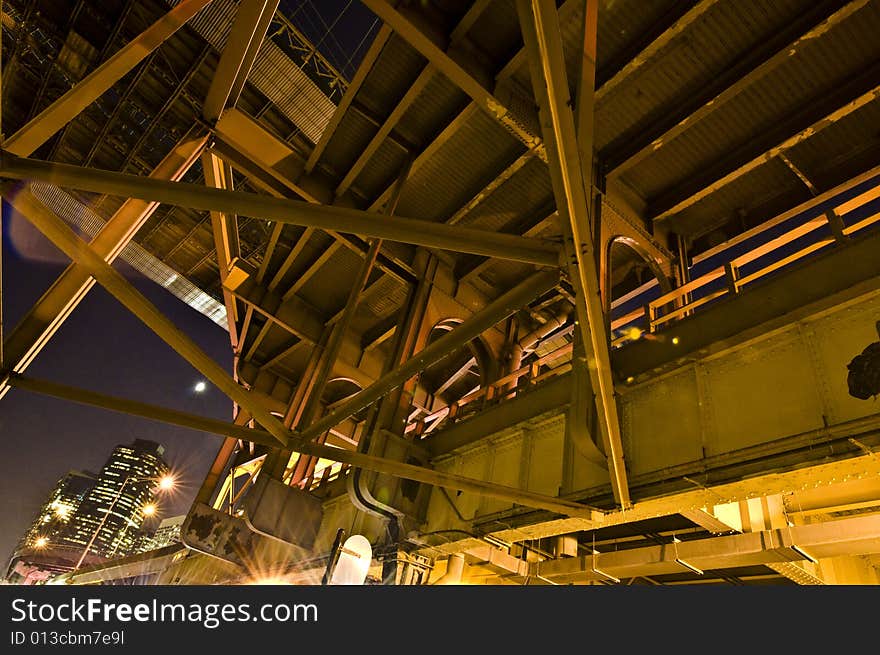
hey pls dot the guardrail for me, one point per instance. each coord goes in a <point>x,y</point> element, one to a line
<point>775,245</point>
<point>726,270</point>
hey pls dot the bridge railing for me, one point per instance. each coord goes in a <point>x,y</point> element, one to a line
<point>726,270</point>
<point>763,251</point>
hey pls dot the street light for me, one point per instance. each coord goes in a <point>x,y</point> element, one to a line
<point>164,483</point>
<point>41,542</point>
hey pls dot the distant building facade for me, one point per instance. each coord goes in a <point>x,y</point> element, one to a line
<point>102,512</point>
<point>166,534</point>
<point>113,507</point>
<point>51,522</point>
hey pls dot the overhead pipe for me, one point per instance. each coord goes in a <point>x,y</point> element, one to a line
<point>528,343</point>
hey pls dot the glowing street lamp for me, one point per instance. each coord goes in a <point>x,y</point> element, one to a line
<point>200,387</point>
<point>41,542</point>
<point>165,483</point>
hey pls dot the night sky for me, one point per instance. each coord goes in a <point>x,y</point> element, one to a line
<point>104,348</point>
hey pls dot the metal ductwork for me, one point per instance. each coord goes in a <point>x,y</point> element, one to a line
<point>454,570</point>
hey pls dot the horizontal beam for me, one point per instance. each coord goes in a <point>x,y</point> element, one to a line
<point>352,221</point>
<point>299,444</point>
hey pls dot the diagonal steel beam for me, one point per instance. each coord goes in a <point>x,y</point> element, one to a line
<point>636,145</point>
<point>225,230</point>
<point>289,260</point>
<point>806,121</point>
<point>49,313</point>
<point>353,221</point>
<point>490,315</point>
<point>455,69</point>
<point>57,231</point>
<point>301,445</point>
<point>363,70</point>
<point>252,19</point>
<point>55,116</point>
<point>540,26</point>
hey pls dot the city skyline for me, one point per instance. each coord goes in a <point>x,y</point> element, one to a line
<point>88,517</point>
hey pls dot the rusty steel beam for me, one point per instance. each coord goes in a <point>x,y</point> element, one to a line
<point>353,221</point>
<point>59,113</point>
<point>571,179</point>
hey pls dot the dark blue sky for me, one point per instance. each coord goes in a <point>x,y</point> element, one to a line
<point>104,348</point>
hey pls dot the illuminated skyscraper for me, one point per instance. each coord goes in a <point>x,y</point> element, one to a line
<point>112,510</point>
<point>50,526</point>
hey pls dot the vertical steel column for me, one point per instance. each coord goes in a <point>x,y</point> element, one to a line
<point>331,352</point>
<point>277,462</point>
<point>540,27</point>
<point>225,228</point>
<point>2,349</point>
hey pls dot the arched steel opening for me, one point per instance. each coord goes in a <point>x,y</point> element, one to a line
<point>462,373</point>
<point>632,279</point>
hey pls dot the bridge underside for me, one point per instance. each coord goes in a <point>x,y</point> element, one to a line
<point>552,293</point>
